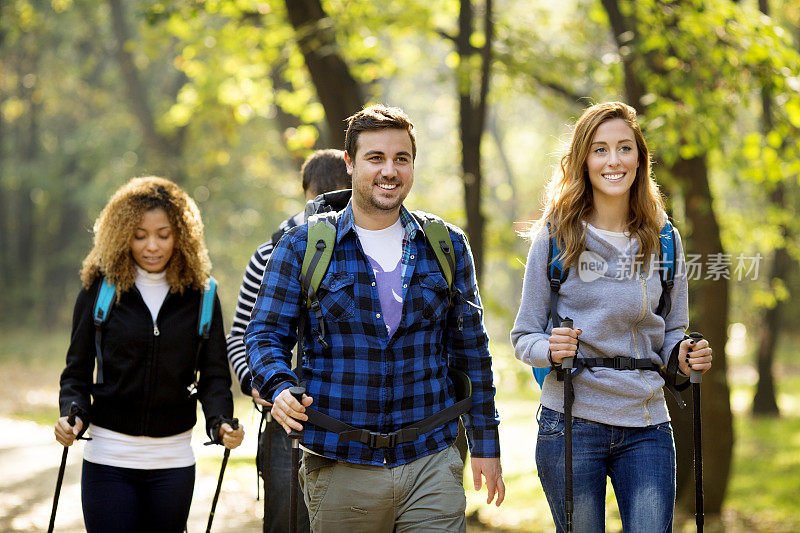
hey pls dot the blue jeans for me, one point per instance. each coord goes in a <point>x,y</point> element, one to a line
<point>128,500</point>
<point>639,461</point>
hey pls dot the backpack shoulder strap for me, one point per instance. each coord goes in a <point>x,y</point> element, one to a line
<point>556,274</point>
<point>204,315</point>
<point>439,238</point>
<point>319,250</point>
<point>206,308</point>
<point>102,304</point>
<point>100,314</point>
<point>667,268</point>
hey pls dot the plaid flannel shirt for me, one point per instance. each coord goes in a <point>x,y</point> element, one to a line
<point>366,378</point>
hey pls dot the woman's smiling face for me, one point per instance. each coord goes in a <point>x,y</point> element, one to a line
<point>613,159</point>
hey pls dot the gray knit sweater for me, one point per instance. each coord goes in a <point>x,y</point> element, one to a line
<point>615,309</point>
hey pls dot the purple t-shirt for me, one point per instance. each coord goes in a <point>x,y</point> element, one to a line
<point>390,292</point>
<point>384,249</point>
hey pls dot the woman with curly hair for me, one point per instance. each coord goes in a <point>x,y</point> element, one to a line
<point>138,467</point>
<point>605,214</point>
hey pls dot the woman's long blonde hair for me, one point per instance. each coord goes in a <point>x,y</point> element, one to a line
<point>189,266</point>
<point>569,199</point>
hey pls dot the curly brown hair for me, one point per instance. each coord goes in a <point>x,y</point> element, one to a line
<point>189,266</point>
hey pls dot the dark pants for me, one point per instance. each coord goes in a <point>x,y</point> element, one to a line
<point>276,445</point>
<point>131,500</point>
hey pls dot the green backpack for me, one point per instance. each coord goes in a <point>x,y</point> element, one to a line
<point>321,215</point>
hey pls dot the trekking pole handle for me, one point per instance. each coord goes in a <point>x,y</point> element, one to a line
<point>297,392</point>
<point>696,376</point>
<point>73,412</point>
<point>567,362</point>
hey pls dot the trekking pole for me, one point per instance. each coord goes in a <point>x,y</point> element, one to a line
<point>73,410</point>
<point>295,435</point>
<point>567,364</point>
<point>267,465</point>
<point>696,377</point>
<point>234,422</point>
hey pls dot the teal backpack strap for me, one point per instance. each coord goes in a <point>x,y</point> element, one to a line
<point>667,271</point>
<point>319,250</point>
<point>206,308</point>
<point>556,274</point>
<point>100,313</point>
<point>204,316</point>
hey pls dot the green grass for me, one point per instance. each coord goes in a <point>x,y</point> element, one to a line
<point>41,348</point>
<point>764,487</point>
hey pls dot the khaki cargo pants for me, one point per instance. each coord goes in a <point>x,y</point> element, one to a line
<point>423,495</point>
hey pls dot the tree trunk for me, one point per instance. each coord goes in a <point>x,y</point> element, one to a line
<point>472,120</point>
<point>709,299</point>
<point>710,317</point>
<point>337,90</point>
<point>764,402</point>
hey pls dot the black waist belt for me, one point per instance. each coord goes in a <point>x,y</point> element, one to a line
<point>388,440</point>
<point>618,363</point>
<point>629,363</point>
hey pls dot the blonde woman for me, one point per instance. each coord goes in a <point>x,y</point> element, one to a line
<point>139,468</point>
<point>604,202</point>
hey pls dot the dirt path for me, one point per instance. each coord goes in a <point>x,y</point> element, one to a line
<point>29,461</point>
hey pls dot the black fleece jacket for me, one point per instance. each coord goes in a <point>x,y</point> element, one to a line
<point>146,370</point>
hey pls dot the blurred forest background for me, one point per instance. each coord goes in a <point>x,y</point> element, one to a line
<point>227,97</point>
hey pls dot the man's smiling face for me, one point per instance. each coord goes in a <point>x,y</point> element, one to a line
<point>382,171</point>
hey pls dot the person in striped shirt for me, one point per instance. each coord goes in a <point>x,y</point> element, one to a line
<point>322,171</point>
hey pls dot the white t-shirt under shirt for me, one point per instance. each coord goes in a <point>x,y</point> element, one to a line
<point>619,239</point>
<point>112,448</point>
<point>384,249</point>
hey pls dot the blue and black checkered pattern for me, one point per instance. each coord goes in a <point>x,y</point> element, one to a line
<point>364,377</point>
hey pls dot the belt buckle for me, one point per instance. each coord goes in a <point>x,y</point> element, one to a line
<point>623,363</point>
<point>381,440</point>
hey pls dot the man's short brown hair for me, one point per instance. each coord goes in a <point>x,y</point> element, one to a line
<point>377,117</point>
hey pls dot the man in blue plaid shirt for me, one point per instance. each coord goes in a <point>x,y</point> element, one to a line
<point>389,336</point>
